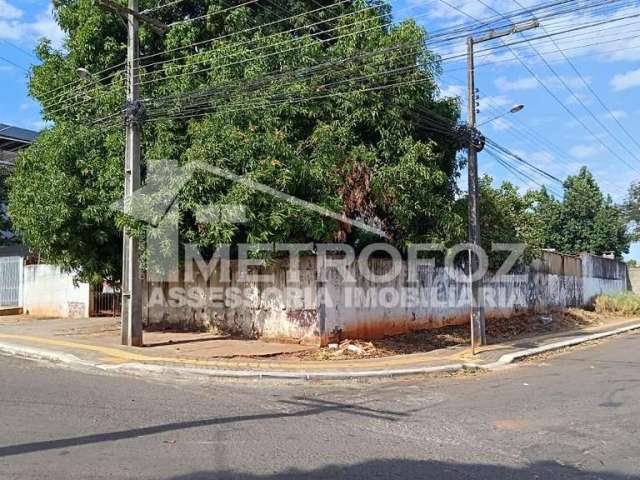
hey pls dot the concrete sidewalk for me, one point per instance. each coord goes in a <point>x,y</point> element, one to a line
<point>93,344</point>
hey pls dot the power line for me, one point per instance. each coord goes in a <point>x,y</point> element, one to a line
<point>47,94</point>
<point>218,12</point>
<point>588,86</point>
<point>14,64</point>
<point>550,92</point>
<point>525,177</point>
<point>160,7</point>
<point>26,52</point>
<point>203,70</point>
<point>572,92</point>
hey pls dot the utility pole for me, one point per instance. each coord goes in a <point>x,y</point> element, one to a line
<point>131,284</point>
<point>134,112</point>
<point>477,320</point>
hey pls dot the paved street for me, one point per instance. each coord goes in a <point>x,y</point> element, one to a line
<point>575,415</point>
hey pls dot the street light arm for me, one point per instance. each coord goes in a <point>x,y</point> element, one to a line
<point>515,109</point>
<point>517,28</point>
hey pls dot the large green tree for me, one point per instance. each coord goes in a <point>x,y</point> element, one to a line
<point>585,220</point>
<point>631,210</point>
<point>334,106</point>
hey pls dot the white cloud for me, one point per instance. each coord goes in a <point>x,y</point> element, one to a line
<point>623,81</point>
<point>500,125</point>
<point>578,99</point>
<point>9,11</point>
<point>28,32</point>
<point>526,83</point>
<point>615,115</point>
<point>46,26</point>
<point>541,158</point>
<point>529,83</point>
<point>495,101</point>
<point>584,151</point>
<point>452,91</point>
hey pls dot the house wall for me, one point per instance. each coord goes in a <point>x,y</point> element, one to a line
<point>49,291</point>
<point>365,310</point>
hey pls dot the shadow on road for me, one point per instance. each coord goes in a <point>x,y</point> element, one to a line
<point>418,470</point>
<point>306,406</point>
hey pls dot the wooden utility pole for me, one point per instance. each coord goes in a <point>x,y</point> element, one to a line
<point>134,112</point>
<point>478,329</point>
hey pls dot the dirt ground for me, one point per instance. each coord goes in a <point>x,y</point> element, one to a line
<point>498,331</point>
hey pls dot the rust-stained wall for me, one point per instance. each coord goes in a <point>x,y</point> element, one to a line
<point>553,281</point>
<point>266,316</point>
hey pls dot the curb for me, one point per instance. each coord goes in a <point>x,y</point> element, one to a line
<point>140,369</point>
<point>513,357</point>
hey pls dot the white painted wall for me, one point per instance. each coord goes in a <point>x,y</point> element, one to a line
<point>554,281</point>
<point>49,291</point>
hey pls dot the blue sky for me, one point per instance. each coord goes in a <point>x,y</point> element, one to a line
<point>607,56</point>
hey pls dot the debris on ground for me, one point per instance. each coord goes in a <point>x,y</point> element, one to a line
<point>498,330</point>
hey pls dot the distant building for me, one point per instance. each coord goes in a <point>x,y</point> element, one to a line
<point>12,140</point>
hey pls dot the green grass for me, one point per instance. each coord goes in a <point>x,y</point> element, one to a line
<point>622,303</point>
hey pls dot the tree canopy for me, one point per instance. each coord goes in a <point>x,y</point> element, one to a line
<point>582,221</point>
<point>333,113</point>
<point>330,102</point>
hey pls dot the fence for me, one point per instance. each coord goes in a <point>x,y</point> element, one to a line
<point>105,304</point>
<point>333,308</point>
<point>10,281</point>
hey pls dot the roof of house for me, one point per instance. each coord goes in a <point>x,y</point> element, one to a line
<point>14,138</point>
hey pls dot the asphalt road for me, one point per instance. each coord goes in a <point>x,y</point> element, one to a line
<point>576,415</point>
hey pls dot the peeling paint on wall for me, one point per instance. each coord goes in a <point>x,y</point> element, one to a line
<point>554,281</point>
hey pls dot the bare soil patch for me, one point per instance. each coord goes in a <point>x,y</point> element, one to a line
<point>498,331</point>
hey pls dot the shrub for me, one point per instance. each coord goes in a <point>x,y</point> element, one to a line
<point>624,303</point>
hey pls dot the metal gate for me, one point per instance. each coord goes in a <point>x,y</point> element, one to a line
<point>10,281</point>
<point>106,304</point>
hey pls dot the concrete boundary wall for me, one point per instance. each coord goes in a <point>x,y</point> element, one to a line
<point>328,310</point>
<point>51,292</point>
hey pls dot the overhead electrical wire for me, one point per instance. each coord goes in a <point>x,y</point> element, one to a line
<point>573,93</point>
<point>233,33</point>
<point>96,74</point>
<point>588,86</point>
<point>212,14</point>
<point>524,177</point>
<point>555,97</point>
<point>160,7</point>
<point>444,59</point>
<point>506,151</point>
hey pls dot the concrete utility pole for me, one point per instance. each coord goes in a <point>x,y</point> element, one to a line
<point>134,112</point>
<point>478,330</point>
<point>131,284</point>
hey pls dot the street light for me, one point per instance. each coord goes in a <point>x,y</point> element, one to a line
<point>478,329</point>
<point>515,109</point>
<point>84,74</point>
